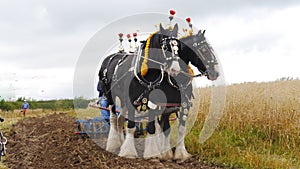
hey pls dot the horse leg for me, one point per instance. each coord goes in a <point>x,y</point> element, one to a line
<point>128,149</point>
<point>114,140</point>
<point>180,153</point>
<point>152,141</point>
<point>167,153</point>
<point>120,123</point>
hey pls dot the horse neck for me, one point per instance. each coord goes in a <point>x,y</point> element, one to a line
<point>191,55</point>
<point>153,50</point>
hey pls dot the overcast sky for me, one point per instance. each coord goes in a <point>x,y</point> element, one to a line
<point>41,41</point>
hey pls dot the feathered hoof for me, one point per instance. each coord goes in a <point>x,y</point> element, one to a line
<point>128,152</point>
<point>113,150</point>
<point>156,159</point>
<point>128,149</point>
<point>152,155</point>
<point>113,142</point>
<point>128,156</point>
<point>152,147</point>
<point>167,156</point>
<point>181,155</point>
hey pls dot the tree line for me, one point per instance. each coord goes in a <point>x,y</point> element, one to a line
<point>63,104</point>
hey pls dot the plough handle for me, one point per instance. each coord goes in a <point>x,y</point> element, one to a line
<point>103,108</point>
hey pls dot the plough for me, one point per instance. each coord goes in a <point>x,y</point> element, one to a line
<point>97,125</point>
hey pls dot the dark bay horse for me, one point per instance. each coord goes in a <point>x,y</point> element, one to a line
<point>131,77</point>
<point>198,52</point>
<point>162,84</point>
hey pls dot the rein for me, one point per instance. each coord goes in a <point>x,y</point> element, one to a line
<point>154,61</point>
<point>189,75</point>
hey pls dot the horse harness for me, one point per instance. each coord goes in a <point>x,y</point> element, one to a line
<point>142,99</point>
<point>136,57</point>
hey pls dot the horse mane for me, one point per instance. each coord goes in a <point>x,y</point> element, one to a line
<point>150,44</point>
<point>144,67</point>
<point>190,70</point>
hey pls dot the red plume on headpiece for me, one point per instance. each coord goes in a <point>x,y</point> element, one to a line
<point>188,20</point>
<point>120,35</point>
<point>134,34</point>
<point>128,36</point>
<point>172,12</point>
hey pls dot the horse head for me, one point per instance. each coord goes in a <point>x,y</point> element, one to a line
<point>201,54</point>
<point>170,46</point>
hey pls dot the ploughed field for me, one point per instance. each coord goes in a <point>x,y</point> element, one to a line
<point>50,142</point>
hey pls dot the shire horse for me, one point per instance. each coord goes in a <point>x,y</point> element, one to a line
<point>198,52</point>
<point>166,81</point>
<point>121,73</point>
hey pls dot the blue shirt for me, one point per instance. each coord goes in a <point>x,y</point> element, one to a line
<point>104,103</point>
<point>25,105</point>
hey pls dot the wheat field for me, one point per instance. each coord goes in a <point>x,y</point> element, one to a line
<point>260,127</point>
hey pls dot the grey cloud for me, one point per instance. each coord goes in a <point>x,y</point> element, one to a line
<point>68,16</point>
<point>50,34</point>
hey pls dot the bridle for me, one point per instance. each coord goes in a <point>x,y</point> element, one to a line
<point>202,47</point>
<point>166,44</point>
<point>208,59</point>
<point>173,44</point>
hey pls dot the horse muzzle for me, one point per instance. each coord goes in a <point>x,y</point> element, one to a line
<point>174,69</point>
<point>212,75</point>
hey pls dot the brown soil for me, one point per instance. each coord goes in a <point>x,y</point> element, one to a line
<point>50,142</point>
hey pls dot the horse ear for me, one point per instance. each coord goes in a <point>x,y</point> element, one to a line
<point>199,33</point>
<point>175,30</point>
<point>161,29</point>
<point>203,32</point>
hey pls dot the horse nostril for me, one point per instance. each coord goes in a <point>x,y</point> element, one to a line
<point>175,70</point>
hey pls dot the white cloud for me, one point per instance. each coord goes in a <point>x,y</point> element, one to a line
<point>258,47</point>
<point>42,84</point>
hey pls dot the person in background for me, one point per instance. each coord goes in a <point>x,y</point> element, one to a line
<point>24,107</point>
<point>105,114</point>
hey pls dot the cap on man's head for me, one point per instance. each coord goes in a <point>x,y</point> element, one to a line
<point>24,100</point>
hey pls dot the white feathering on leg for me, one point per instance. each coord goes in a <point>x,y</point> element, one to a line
<point>153,143</point>
<point>180,153</point>
<point>152,148</point>
<point>167,153</point>
<point>128,149</point>
<point>120,125</point>
<point>113,141</point>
